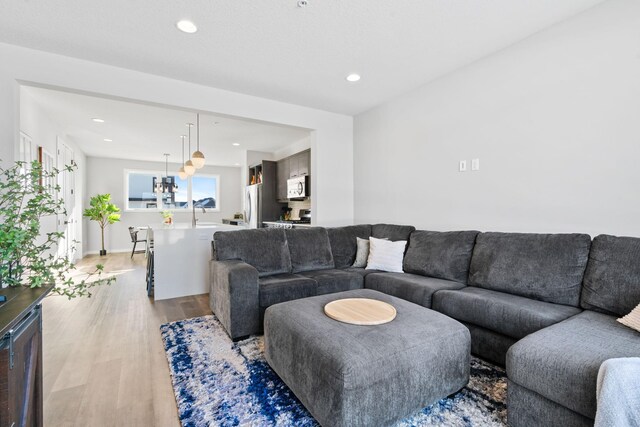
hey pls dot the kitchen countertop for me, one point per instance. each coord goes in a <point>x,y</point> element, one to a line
<point>295,225</point>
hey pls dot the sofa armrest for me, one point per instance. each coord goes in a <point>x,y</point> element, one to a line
<point>233,297</point>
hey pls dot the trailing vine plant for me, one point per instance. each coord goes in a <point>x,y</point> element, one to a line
<point>28,257</point>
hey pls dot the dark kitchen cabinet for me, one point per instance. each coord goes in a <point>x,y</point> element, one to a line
<point>281,179</point>
<point>293,166</point>
<point>304,163</point>
<point>21,357</point>
<point>299,164</point>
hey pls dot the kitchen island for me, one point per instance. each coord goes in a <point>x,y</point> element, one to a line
<point>181,258</point>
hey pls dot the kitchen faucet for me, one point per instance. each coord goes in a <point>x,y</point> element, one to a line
<point>194,220</point>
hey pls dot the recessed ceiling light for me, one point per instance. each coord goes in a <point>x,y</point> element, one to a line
<point>108,140</point>
<point>237,164</point>
<point>236,144</point>
<point>353,77</point>
<point>186,26</point>
<point>97,120</point>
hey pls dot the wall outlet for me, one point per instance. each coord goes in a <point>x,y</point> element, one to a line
<point>462,167</point>
<point>475,164</point>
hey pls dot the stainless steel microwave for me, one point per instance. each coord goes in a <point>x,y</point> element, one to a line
<point>298,188</point>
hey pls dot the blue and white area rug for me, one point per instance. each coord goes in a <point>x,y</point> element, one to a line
<point>221,383</point>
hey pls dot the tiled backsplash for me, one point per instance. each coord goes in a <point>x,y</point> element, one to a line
<point>297,205</point>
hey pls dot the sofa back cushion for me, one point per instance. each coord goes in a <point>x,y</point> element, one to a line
<point>309,249</point>
<point>265,249</point>
<point>546,267</point>
<point>343,243</point>
<point>444,255</point>
<point>612,280</point>
<point>391,231</point>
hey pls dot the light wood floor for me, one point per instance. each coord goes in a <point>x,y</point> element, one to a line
<point>104,364</point>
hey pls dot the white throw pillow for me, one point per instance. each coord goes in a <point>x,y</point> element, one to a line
<point>632,319</point>
<point>362,253</point>
<point>386,255</point>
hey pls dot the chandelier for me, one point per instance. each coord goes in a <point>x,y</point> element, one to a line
<point>167,184</point>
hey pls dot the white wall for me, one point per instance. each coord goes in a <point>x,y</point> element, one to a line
<point>45,132</point>
<point>333,137</point>
<point>555,121</point>
<point>107,176</point>
<point>296,147</point>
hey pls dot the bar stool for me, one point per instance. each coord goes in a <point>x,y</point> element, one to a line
<point>135,240</point>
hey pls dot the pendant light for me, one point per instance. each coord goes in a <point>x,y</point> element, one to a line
<point>197,158</point>
<point>189,168</point>
<point>181,172</point>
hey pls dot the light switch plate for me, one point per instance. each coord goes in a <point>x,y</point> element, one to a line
<point>463,166</point>
<point>475,164</point>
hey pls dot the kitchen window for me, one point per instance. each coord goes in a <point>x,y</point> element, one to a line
<point>140,194</point>
<point>205,190</point>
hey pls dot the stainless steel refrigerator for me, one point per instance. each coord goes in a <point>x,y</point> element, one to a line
<point>260,205</point>
<point>261,200</point>
<point>252,206</point>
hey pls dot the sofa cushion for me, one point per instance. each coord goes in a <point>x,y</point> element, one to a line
<point>391,231</point>
<point>330,281</point>
<point>285,287</point>
<point>546,267</point>
<point>343,243</point>
<point>561,362</point>
<point>612,280</point>
<point>309,248</point>
<point>511,315</point>
<point>361,271</point>
<point>445,255</point>
<point>411,287</point>
<point>265,249</point>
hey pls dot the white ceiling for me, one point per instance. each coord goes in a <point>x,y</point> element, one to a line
<point>274,49</point>
<point>145,132</point>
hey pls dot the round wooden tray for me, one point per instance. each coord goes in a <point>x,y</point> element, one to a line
<point>360,311</point>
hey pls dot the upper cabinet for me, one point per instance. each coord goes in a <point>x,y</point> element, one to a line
<point>298,164</point>
<point>282,168</point>
<point>255,174</point>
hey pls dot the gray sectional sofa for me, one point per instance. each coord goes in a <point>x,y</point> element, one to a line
<point>544,305</point>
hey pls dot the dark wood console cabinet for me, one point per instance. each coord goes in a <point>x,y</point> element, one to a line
<point>21,357</point>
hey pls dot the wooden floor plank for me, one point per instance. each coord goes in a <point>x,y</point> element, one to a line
<point>104,363</point>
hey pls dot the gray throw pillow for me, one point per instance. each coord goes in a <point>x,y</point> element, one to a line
<point>362,253</point>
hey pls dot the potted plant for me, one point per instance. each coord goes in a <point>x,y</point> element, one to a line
<point>28,256</point>
<point>167,217</point>
<point>104,212</point>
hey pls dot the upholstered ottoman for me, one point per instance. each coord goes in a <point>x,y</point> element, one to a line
<point>349,375</point>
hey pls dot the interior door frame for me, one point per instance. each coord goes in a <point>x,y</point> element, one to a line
<point>68,224</point>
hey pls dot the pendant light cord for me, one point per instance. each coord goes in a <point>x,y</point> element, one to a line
<point>182,136</point>
<point>189,125</point>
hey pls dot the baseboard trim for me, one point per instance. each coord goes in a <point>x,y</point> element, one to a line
<point>109,251</point>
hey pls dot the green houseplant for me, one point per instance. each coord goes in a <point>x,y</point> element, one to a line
<point>104,212</point>
<point>29,256</point>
